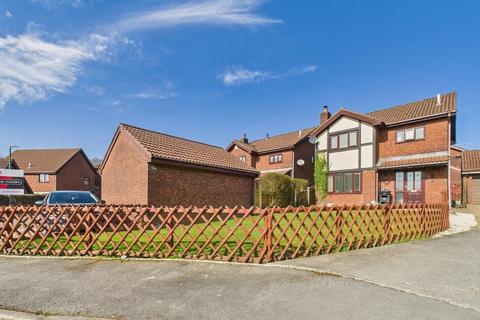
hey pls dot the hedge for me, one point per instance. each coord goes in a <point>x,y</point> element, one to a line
<point>25,199</point>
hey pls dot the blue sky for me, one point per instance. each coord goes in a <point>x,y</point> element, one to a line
<point>71,70</point>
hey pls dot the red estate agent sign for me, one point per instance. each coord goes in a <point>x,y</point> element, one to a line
<point>11,182</point>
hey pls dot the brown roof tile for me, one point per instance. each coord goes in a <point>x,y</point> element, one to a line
<point>243,145</point>
<point>163,146</point>
<point>413,162</point>
<point>471,161</point>
<point>281,141</point>
<point>42,160</point>
<point>418,109</point>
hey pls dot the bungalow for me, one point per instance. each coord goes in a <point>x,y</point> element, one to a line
<point>403,151</point>
<point>49,170</point>
<point>152,168</point>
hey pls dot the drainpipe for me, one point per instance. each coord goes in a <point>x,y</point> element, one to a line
<point>293,162</point>
<point>449,160</point>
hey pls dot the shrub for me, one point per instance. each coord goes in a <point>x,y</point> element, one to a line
<point>320,175</point>
<point>281,190</point>
<point>26,199</point>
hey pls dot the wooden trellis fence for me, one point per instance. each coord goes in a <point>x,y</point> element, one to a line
<point>229,234</point>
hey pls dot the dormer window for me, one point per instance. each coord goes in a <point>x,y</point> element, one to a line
<point>410,134</point>
<point>344,140</point>
<point>242,158</point>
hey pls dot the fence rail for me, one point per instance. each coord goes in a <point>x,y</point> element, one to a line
<point>229,234</point>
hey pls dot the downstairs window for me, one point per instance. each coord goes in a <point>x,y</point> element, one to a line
<point>345,182</point>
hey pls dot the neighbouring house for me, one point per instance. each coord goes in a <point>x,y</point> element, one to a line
<point>4,164</point>
<point>403,150</point>
<point>289,153</point>
<point>49,170</point>
<point>471,176</point>
<point>151,168</point>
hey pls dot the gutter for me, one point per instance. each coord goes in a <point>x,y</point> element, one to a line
<point>436,116</point>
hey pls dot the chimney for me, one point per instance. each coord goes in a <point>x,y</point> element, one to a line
<point>439,99</point>
<point>299,133</point>
<point>325,115</point>
<point>244,138</point>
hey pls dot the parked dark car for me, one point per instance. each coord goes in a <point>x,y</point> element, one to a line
<point>58,198</point>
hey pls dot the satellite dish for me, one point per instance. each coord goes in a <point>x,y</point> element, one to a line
<point>300,162</point>
<point>312,140</point>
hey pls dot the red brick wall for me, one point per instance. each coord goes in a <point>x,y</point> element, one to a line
<point>367,195</point>
<point>125,174</point>
<point>240,152</point>
<point>71,175</point>
<point>436,139</point>
<point>33,181</point>
<point>173,185</point>
<point>436,183</point>
<point>262,161</point>
<point>304,150</point>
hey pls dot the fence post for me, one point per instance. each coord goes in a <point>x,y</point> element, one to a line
<point>169,229</point>
<point>308,195</point>
<point>339,228</point>
<point>268,235</point>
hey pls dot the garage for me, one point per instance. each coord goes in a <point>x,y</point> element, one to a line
<point>474,192</point>
<point>471,176</point>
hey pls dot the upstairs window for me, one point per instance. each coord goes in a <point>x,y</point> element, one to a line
<point>410,134</point>
<point>275,158</point>
<point>242,158</point>
<point>44,178</point>
<point>344,140</point>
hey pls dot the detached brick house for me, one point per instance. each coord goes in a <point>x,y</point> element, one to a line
<point>49,170</point>
<point>289,153</point>
<point>151,168</point>
<point>405,150</point>
<point>471,176</point>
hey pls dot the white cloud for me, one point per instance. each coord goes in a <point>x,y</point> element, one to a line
<point>49,4</point>
<point>222,12</point>
<point>8,14</point>
<point>238,75</point>
<point>168,91</point>
<point>95,90</point>
<point>32,69</point>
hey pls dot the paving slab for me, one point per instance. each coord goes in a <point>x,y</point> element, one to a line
<point>194,290</point>
<point>446,268</point>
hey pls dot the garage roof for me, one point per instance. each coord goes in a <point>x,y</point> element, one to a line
<point>471,161</point>
<point>163,146</point>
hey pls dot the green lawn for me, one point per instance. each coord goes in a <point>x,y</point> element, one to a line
<point>291,235</point>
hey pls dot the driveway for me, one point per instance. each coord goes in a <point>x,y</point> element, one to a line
<point>434,279</point>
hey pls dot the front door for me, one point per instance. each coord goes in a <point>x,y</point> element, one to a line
<point>409,186</point>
